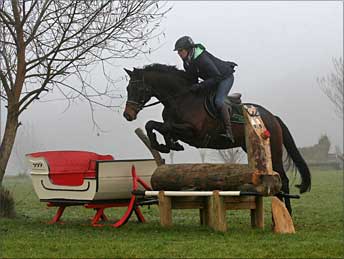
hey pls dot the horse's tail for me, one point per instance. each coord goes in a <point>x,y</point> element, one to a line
<point>297,158</point>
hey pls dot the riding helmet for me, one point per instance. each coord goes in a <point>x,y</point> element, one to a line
<point>184,42</point>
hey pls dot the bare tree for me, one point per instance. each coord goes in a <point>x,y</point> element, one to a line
<point>44,44</point>
<point>232,156</point>
<point>171,157</point>
<point>203,154</point>
<point>339,154</point>
<point>26,142</point>
<point>332,86</point>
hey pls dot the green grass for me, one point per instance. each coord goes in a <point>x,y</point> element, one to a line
<point>318,218</point>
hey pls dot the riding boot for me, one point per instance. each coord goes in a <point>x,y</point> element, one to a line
<point>227,122</point>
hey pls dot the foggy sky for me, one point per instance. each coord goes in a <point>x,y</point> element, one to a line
<point>281,48</point>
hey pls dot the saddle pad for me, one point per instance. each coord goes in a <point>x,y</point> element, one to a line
<point>236,109</point>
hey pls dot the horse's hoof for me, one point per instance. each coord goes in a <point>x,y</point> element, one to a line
<point>163,149</point>
<point>178,147</point>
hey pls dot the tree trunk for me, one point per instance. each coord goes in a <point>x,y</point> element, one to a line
<point>8,140</point>
<point>209,177</point>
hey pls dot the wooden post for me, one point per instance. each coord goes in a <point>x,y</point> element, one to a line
<point>216,212</point>
<point>257,139</point>
<point>165,210</point>
<point>159,161</point>
<point>282,222</point>
<point>203,215</point>
<point>257,214</point>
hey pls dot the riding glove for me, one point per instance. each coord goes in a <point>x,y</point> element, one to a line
<point>196,87</point>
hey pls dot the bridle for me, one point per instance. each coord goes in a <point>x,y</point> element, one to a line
<point>146,89</point>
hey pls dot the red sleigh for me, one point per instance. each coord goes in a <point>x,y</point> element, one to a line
<point>81,178</point>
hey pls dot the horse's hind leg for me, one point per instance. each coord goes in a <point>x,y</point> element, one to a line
<point>285,184</point>
<point>277,166</point>
<point>276,146</point>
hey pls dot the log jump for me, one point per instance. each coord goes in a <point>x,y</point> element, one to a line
<point>215,188</point>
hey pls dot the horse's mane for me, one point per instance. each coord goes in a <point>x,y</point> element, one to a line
<point>173,70</point>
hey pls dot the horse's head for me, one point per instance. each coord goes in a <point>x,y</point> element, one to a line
<point>161,81</point>
<point>138,94</point>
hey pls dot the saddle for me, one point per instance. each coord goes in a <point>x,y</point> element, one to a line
<point>233,101</point>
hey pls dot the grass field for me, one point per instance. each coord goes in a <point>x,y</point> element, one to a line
<point>318,218</point>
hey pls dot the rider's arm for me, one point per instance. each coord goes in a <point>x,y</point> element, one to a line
<point>214,75</point>
<point>191,72</point>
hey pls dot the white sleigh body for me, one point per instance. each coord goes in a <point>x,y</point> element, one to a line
<point>112,180</point>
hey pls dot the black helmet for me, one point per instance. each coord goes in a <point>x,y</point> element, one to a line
<point>184,42</point>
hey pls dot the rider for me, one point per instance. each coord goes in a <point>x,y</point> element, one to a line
<point>216,73</point>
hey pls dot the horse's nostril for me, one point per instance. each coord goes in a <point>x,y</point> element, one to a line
<point>127,116</point>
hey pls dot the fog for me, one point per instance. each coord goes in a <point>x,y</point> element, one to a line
<point>281,49</point>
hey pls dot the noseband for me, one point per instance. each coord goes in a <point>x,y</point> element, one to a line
<point>147,90</point>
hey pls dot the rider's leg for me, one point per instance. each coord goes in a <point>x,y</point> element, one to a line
<point>222,91</point>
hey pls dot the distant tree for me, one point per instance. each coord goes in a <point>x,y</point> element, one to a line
<point>203,154</point>
<point>332,86</point>
<point>339,154</point>
<point>44,44</point>
<point>171,157</point>
<point>232,156</point>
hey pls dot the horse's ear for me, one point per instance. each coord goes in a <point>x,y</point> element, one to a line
<point>130,73</point>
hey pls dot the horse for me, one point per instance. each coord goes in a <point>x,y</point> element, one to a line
<point>186,118</point>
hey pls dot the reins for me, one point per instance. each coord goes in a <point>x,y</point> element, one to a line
<point>151,104</point>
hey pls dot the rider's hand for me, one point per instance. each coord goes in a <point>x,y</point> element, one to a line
<point>195,88</point>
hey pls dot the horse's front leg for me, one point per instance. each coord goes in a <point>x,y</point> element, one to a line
<point>172,143</point>
<point>160,127</point>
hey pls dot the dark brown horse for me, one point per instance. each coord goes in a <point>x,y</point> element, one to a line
<point>186,119</point>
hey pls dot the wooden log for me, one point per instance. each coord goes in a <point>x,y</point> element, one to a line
<point>209,177</point>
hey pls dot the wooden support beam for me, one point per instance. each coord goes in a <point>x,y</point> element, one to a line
<point>216,213</point>
<point>165,209</point>
<point>203,216</point>
<point>282,221</point>
<point>259,213</point>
